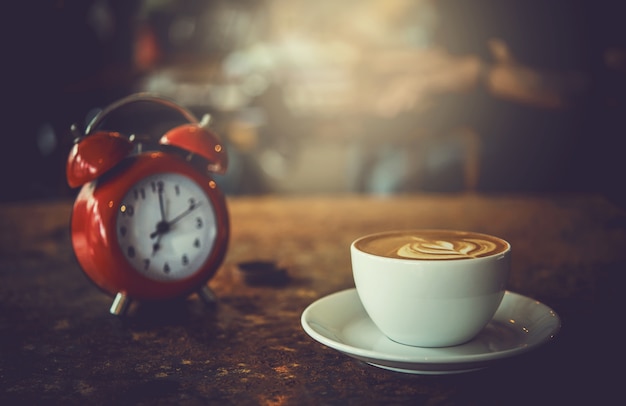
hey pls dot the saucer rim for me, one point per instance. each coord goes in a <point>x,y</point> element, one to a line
<point>433,364</point>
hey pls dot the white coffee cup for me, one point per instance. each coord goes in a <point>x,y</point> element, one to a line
<point>430,288</point>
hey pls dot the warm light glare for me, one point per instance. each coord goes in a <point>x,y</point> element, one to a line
<point>458,98</point>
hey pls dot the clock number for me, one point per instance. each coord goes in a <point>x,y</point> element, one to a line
<point>139,193</point>
<point>146,263</point>
<point>185,259</point>
<point>192,203</point>
<point>198,222</point>
<point>156,186</point>
<point>196,243</point>
<point>123,231</point>
<point>177,190</point>
<point>130,251</point>
<point>166,268</point>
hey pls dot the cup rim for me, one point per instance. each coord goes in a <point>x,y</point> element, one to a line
<point>413,260</point>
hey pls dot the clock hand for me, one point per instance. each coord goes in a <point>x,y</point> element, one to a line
<point>164,226</point>
<point>183,214</point>
<point>161,203</point>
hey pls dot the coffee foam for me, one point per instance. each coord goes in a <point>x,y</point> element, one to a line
<point>432,245</point>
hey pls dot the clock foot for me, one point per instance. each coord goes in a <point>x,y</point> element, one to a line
<point>206,294</point>
<point>120,304</point>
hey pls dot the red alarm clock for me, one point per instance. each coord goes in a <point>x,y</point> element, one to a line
<point>149,222</point>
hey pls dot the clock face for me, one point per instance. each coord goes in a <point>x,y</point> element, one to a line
<point>166,226</point>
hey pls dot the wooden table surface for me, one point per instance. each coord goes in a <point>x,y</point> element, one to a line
<point>60,345</point>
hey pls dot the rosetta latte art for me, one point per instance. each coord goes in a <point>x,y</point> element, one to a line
<point>431,244</point>
<point>425,248</point>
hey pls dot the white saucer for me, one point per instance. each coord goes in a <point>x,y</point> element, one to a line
<point>339,321</point>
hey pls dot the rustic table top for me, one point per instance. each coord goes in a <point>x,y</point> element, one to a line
<point>59,344</point>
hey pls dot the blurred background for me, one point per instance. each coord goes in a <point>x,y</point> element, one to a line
<point>354,96</point>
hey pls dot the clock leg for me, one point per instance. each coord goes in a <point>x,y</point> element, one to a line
<point>120,304</point>
<point>206,294</point>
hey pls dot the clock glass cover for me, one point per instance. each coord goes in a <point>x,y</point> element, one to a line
<point>166,226</point>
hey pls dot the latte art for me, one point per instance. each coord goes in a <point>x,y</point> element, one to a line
<point>424,248</point>
<point>432,245</point>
